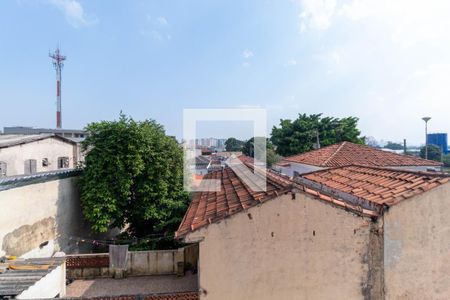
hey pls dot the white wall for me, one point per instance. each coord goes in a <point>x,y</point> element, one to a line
<point>50,286</point>
<point>296,167</point>
<point>50,148</point>
<point>46,212</point>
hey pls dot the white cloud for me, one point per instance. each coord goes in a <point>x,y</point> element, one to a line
<point>291,62</point>
<point>316,14</point>
<point>156,28</point>
<point>247,54</point>
<point>73,12</point>
<point>162,21</point>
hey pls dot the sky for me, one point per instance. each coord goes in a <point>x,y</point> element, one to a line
<point>386,62</point>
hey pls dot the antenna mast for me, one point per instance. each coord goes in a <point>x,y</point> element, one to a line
<point>58,63</point>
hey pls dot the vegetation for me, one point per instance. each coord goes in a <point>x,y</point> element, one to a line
<point>300,135</point>
<point>393,146</point>
<point>434,152</point>
<point>133,178</point>
<point>232,144</point>
<point>271,157</point>
<point>446,160</point>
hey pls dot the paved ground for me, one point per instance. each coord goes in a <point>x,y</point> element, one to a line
<point>132,285</point>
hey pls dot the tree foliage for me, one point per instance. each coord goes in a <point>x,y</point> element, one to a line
<point>300,135</point>
<point>434,152</point>
<point>250,146</point>
<point>446,160</point>
<point>393,146</point>
<point>133,177</point>
<point>233,144</point>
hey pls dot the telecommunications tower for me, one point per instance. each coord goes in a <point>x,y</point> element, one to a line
<point>58,63</point>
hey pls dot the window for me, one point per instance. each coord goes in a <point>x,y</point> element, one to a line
<point>45,162</point>
<point>30,166</point>
<point>63,162</point>
<point>2,169</point>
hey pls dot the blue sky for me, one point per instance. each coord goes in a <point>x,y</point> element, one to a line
<point>386,62</point>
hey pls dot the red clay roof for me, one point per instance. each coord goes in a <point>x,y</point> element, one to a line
<point>346,153</point>
<point>233,197</point>
<point>361,189</point>
<point>381,186</point>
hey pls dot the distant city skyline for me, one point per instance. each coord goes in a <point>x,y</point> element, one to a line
<point>386,63</point>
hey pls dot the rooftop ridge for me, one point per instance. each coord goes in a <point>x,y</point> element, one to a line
<point>348,153</point>
<point>334,154</point>
<point>391,169</point>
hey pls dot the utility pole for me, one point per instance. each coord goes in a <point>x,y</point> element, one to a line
<point>58,63</point>
<point>317,139</point>
<point>426,119</point>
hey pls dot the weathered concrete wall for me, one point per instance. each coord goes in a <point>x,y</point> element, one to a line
<point>299,168</point>
<point>417,247</point>
<point>156,262</point>
<point>38,219</point>
<point>50,148</point>
<point>417,168</point>
<point>288,248</point>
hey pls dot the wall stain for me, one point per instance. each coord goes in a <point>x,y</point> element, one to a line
<point>28,237</point>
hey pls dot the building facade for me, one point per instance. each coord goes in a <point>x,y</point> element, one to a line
<point>344,233</point>
<point>30,154</point>
<point>440,140</point>
<point>68,133</point>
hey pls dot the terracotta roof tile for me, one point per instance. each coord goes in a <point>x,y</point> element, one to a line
<point>233,197</point>
<point>379,185</point>
<point>346,153</point>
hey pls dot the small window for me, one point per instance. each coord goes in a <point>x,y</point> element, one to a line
<point>45,162</point>
<point>63,162</point>
<point>30,166</point>
<point>2,169</point>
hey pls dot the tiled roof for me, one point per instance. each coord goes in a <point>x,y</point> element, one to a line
<point>234,196</point>
<point>346,153</point>
<point>381,186</point>
<point>361,189</point>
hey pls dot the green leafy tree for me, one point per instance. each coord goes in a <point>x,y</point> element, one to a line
<point>250,145</point>
<point>446,160</point>
<point>393,146</point>
<point>133,178</point>
<point>300,135</point>
<point>434,152</point>
<point>232,144</point>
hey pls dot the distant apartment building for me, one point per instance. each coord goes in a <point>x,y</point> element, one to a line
<point>68,133</point>
<point>30,154</point>
<point>440,140</point>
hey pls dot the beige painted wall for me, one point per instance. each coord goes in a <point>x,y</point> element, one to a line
<point>417,247</point>
<point>288,249</point>
<point>38,213</point>
<point>50,148</point>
